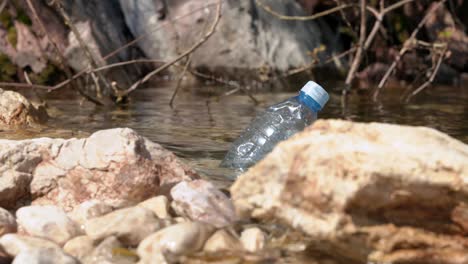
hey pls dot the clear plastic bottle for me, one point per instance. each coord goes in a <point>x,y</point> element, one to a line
<point>277,123</point>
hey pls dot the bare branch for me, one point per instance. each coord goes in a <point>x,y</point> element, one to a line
<point>302,18</point>
<point>179,81</point>
<point>360,49</point>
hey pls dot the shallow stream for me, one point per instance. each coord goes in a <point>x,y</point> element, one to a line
<point>201,125</point>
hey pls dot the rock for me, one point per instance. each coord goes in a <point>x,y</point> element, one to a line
<point>247,40</point>
<point>201,201</point>
<point>79,246</point>
<point>111,251</point>
<point>159,205</point>
<point>16,111</point>
<point>338,177</point>
<point>14,244</point>
<point>116,166</point>
<point>88,210</point>
<point>44,256</point>
<point>7,222</point>
<point>49,222</point>
<point>253,239</point>
<point>130,225</point>
<point>222,240</point>
<point>180,239</point>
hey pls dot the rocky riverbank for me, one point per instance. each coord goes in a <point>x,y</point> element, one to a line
<point>359,192</point>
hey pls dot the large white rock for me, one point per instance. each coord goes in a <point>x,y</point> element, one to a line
<point>338,177</point>
<point>115,166</point>
<point>48,222</point>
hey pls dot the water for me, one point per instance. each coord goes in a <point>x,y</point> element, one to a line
<point>202,126</point>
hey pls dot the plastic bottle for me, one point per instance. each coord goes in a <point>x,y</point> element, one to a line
<point>277,123</point>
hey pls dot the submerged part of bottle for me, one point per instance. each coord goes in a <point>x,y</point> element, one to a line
<point>276,124</point>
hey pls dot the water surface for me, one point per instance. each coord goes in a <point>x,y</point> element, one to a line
<point>201,125</point>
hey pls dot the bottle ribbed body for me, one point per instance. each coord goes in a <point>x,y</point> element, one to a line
<point>277,123</point>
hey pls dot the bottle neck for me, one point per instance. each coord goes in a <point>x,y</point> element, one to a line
<point>309,102</point>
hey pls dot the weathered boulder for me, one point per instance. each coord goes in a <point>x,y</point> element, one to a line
<point>338,179</point>
<point>16,111</point>
<point>115,166</point>
<point>102,27</point>
<point>247,41</point>
<point>201,201</point>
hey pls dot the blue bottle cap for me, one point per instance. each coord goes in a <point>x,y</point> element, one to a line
<point>316,92</point>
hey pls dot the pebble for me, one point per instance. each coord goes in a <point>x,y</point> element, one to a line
<point>111,251</point>
<point>13,244</point>
<point>131,225</point>
<point>44,256</point>
<point>7,222</point>
<point>88,210</point>
<point>253,239</point>
<point>159,205</point>
<point>201,201</point>
<point>180,239</point>
<point>48,222</point>
<point>79,246</point>
<point>222,240</point>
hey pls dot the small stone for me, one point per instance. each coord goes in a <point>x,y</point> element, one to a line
<point>222,240</point>
<point>14,244</point>
<point>79,246</point>
<point>201,201</point>
<point>44,256</point>
<point>110,250</point>
<point>253,239</point>
<point>130,225</point>
<point>7,222</point>
<point>159,205</point>
<point>48,222</point>
<point>88,210</point>
<point>180,239</point>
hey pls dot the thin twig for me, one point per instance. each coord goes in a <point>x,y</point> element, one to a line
<point>179,80</point>
<point>406,46</point>
<point>303,18</point>
<point>315,62</point>
<point>181,56</point>
<point>237,86</point>
<point>432,77</point>
<point>360,49</point>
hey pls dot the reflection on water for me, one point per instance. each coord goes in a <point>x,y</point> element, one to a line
<point>200,127</point>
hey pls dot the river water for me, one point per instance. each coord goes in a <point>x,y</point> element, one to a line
<point>201,125</point>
